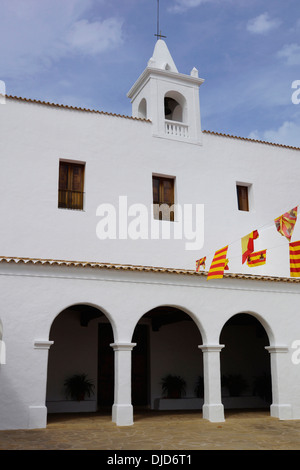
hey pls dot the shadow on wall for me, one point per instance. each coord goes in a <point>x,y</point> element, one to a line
<point>2,346</point>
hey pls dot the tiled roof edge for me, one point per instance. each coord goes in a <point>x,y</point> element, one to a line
<point>127,267</point>
<point>250,140</point>
<point>74,108</point>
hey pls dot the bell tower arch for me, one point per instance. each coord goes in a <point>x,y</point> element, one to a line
<point>168,98</point>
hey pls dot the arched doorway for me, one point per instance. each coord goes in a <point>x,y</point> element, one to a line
<point>245,364</point>
<point>81,335</point>
<point>167,348</point>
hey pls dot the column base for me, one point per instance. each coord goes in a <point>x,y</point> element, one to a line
<point>213,413</point>
<point>37,417</point>
<point>281,411</point>
<point>122,415</point>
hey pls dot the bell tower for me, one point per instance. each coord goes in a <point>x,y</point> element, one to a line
<point>168,98</point>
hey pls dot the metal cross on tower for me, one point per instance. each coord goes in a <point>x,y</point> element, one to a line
<point>158,32</point>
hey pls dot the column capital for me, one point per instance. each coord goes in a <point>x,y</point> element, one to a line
<point>211,347</point>
<point>123,346</point>
<point>277,349</point>
<point>42,344</point>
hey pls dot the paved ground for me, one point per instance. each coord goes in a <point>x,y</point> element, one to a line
<point>242,430</point>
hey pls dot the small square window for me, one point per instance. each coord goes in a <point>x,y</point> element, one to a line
<point>70,185</point>
<point>242,197</point>
<point>163,198</point>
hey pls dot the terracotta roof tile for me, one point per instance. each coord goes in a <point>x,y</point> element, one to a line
<point>75,108</point>
<point>250,140</point>
<point>128,267</point>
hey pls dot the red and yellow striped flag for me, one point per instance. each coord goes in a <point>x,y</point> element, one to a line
<point>295,259</point>
<point>257,259</point>
<point>248,245</point>
<point>285,223</point>
<point>200,262</point>
<point>218,264</point>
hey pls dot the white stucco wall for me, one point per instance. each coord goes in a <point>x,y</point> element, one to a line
<point>42,292</point>
<point>120,156</point>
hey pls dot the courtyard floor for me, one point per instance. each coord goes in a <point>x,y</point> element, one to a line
<point>160,430</point>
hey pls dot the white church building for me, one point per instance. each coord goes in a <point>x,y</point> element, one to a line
<point>97,281</point>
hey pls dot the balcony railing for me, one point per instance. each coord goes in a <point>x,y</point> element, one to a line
<point>177,129</point>
<point>68,199</point>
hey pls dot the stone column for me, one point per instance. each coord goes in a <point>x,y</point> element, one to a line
<point>279,408</point>
<point>213,409</point>
<point>38,412</point>
<point>122,410</point>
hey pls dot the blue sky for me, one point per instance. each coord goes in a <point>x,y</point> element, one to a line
<point>88,53</point>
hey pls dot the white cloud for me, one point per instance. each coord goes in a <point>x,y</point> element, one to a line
<point>291,53</point>
<point>183,5</point>
<point>287,134</point>
<point>262,24</point>
<point>35,37</point>
<point>92,38</point>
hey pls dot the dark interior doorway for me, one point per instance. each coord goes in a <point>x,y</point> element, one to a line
<point>245,363</point>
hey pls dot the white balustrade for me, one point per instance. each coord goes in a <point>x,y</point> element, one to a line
<point>177,129</point>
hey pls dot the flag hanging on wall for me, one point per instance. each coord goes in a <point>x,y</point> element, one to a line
<point>200,262</point>
<point>248,245</point>
<point>257,259</point>
<point>218,264</point>
<point>286,222</point>
<point>295,259</point>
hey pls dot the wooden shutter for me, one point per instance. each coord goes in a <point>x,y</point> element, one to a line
<point>71,182</point>
<point>63,185</point>
<point>163,193</point>
<point>63,176</point>
<point>77,187</point>
<point>168,191</point>
<point>77,178</point>
<point>155,190</point>
<point>242,196</point>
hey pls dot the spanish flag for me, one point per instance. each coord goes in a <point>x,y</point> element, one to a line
<point>295,259</point>
<point>218,264</point>
<point>285,223</point>
<point>257,259</point>
<point>200,262</point>
<point>248,245</point>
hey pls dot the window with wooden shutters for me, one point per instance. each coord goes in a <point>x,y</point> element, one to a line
<point>70,186</point>
<point>163,198</point>
<point>242,197</point>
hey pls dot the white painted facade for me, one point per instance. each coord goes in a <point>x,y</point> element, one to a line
<point>131,274</point>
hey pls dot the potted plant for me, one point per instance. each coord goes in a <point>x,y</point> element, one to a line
<point>199,388</point>
<point>78,386</point>
<point>173,386</point>
<point>236,384</point>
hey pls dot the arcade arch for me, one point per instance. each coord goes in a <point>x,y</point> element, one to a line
<point>76,332</point>
<point>167,340</point>
<point>245,363</point>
